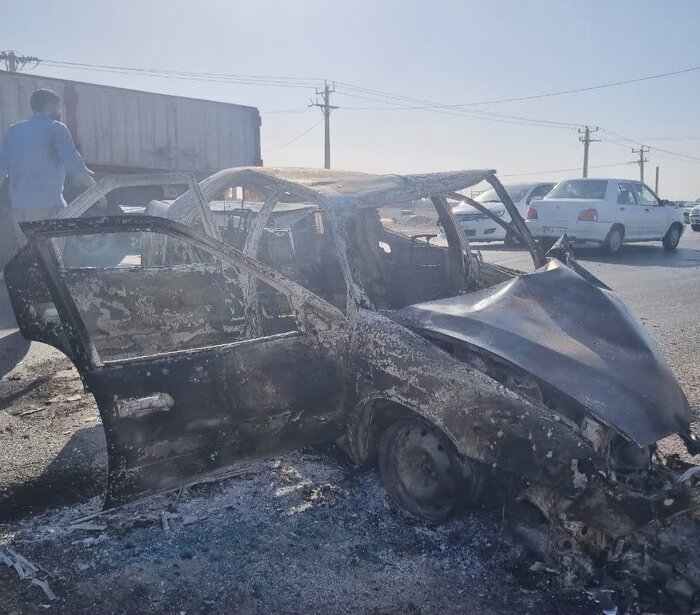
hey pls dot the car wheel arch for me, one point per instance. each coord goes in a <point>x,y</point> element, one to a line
<point>372,416</point>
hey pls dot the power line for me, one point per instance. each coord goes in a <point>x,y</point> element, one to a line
<point>557,93</point>
<point>260,80</point>
<point>295,110</point>
<point>306,81</point>
<point>646,139</point>
<point>479,115</point>
<point>619,137</point>
<point>180,72</point>
<point>598,166</point>
<point>267,81</point>
<point>288,82</point>
<point>295,139</point>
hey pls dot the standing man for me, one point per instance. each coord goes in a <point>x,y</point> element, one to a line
<point>36,155</point>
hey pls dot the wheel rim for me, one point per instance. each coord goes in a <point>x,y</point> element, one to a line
<point>615,240</point>
<point>423,470</point>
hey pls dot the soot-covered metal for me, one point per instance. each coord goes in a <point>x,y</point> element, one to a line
<point>448,372</point>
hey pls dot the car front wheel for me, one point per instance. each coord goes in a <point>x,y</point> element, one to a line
<point>672,237</point>
<point>422,472</point>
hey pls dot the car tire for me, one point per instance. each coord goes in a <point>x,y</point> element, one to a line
<point>423,473</point>
<point>672,237</point>
<point>695,227</point>
<point>510,241</point>
<point>614,240</point>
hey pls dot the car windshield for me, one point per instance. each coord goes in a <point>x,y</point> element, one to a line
<point>516,193</point>
<point>580,189</point>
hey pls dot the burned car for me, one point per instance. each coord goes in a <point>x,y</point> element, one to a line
<point>450,373</point>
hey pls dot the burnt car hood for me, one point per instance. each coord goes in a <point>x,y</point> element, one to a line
<point>576,337</point>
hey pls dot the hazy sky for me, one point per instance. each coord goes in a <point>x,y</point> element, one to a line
<point>450,52</point>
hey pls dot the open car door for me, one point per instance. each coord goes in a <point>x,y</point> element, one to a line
<point>194,365</point>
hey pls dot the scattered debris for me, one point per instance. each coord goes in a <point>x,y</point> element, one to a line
<point>691,472</point>
<point>605,598</point>
<point>26,570</point>
<point>88,527</point>
<point>44,585</point>
<point>326,495</point>
<point>30,411</point>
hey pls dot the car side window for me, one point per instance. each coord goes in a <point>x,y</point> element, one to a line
<point>302,247</point>
<point>198,300</point>
<point>625,194</point>
<point>540,192</point>
<point>644,195</point>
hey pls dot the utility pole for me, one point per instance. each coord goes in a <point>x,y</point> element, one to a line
<point>656,183</point>
<point>641,151</point>
<point>586,140</point>
<point>326,108</point>
<point>15,62</point>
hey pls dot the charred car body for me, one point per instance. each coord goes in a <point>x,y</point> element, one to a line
<point>447,371</point>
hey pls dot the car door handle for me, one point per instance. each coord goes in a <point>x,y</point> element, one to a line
<point>622,209</point>
<point>646,209</point>
<point>136,407</point>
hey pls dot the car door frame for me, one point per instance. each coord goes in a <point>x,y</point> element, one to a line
<point>659,215</point>
<point>654,215</point>
<point>629,215</point>
<point>320,324</point>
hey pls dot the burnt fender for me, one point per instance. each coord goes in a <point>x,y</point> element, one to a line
<point>485,420</point>
<point>573,335</point>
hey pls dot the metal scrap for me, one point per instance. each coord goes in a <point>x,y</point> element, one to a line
<point>25,570</point>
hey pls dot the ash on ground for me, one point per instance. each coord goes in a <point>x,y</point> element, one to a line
<point>299,534</point>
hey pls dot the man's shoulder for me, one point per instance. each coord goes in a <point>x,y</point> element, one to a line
<point>30,124</point>
<point>16,127</point>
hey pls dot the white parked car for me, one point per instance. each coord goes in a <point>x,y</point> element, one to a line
<point>608,212</point>
<point>479,227</point>
<point>685,207</point>
<point>694,218</point>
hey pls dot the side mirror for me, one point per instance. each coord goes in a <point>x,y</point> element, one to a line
<point>663,202</point>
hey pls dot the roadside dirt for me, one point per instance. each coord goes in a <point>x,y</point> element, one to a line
<point>52,445</point>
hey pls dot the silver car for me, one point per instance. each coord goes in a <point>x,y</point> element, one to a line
<point>694,218</point>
